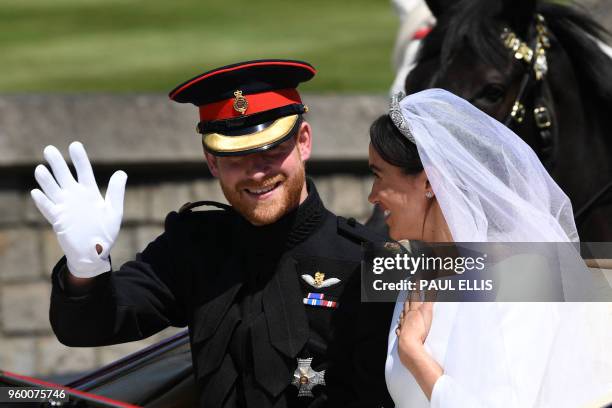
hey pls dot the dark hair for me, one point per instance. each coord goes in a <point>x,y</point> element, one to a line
<point>394,147</point>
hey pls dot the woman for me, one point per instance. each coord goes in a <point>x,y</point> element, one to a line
<point>447,172</point>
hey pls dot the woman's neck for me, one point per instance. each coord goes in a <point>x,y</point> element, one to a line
<point>435,228</point>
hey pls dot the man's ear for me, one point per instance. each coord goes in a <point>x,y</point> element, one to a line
<point>211,161</point>
<point>304,140</point>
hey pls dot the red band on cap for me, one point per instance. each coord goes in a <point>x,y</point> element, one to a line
<point>259,102</point>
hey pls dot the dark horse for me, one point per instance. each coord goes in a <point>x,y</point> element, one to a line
<point>478,50</point>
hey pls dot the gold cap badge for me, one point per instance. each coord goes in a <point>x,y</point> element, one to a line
<point>240,102</point>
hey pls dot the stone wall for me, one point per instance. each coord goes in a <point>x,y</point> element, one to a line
<point>152,141</point>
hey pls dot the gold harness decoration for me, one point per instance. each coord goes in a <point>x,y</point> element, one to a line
<point>533,55</point>
<point>522,51</point>
<point>534,58</point>
<point>518,112</point>
<point>240,102</point>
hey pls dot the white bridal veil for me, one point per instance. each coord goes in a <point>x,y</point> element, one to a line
<point>490,184</point>
<point>491,187</point>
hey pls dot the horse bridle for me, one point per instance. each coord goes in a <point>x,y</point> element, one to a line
<point>534,82</point>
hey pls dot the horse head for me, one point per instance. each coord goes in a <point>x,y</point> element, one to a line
<point>536,67</point>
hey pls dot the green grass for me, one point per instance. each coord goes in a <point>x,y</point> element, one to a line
<point>150,46</point>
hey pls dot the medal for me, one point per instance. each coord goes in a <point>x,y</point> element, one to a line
<point>305,378</point>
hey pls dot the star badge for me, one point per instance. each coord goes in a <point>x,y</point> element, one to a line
<point>305,378</point>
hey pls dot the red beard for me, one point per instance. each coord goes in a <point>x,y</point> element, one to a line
<point>267,211</point>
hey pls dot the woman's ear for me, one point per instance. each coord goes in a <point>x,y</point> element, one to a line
<point>211,161</point>
<point>428,190</point>
<point>304,140</point>
<point>423,181</point>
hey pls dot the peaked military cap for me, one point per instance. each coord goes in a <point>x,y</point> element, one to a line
<point>247,107</point>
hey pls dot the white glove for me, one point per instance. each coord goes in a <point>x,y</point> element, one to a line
<point>80,216</point>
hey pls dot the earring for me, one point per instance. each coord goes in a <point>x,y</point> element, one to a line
<point>429,194</point>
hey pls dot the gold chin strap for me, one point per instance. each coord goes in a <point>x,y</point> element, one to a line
<point>228,144</point>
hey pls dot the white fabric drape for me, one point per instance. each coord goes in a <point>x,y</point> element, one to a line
<point>491,187</point>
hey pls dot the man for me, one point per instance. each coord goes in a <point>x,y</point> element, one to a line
<point>269,287</point>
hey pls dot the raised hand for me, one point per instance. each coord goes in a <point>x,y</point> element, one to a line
<point>413,326</point>
<point>412,331</point>
<point>86,224</point>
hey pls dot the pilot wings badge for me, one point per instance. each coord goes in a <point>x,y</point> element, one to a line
<point>319,280</point>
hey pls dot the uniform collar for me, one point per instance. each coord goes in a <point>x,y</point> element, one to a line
<point>291,229</point>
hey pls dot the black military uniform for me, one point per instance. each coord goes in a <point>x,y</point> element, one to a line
<point>274,312</point>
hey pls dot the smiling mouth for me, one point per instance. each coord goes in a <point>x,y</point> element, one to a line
<point>386,214</point>
<point>263,191</point>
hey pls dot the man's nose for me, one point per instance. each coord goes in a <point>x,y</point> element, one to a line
<point>258,165</point>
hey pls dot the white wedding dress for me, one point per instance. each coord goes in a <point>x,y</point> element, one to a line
<point>491,187</point>
<point>511,341</point>
<point>402,386</point>
<point>515,355</point>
